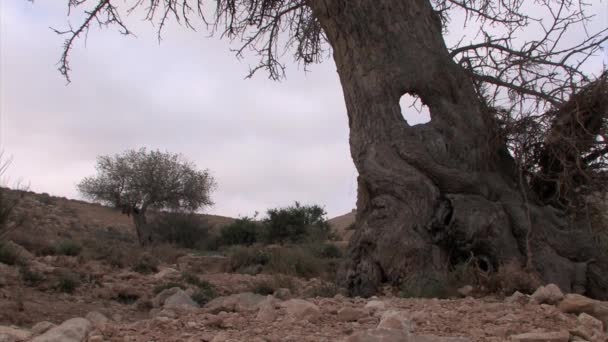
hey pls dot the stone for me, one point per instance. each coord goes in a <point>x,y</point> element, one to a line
<point>575,303</point>
<point>282,293</point>
<point>378,335</point>
<point>165,273</point>
<point>517,297</point>
<point>95,338</point>
<point>245,301</point>
<point>554,336</point>
<point>72,330</point>
<point>180,300</point>
<point>375,306</point>
<point>550,294</point>
<point>41,327</point>
<point>14,334</point>
<point>301,309</point>
<point>160,298</point>
<point>348,314</point>
<point>465,291</point>
<point>590,329</point>
<point>396,320</point>
<point>267,312</point>
<point>99,320</point>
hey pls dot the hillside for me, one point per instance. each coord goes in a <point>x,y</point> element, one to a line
<point>80,275</point>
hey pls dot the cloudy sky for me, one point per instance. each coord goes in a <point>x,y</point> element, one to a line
<point>266,143</point>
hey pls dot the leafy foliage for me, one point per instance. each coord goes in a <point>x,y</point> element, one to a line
<point>244,231</point>
<point>186,230</point>
<point>138,179</point>
<point>296,223</point>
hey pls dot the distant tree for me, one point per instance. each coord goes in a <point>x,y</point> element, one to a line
<point>137,180</point>
<point>8,202</point>
<point>296,223</point>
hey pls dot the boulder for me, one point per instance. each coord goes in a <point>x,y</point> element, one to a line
<point>550,294</point>
<point>14,334</point>
<point>575,303</point>
<point>166,272</point>
<point>72,330</point>
<point>465,291</point>
<point>590,329</point>
<point>42,327</point>
<point>375,306</point>
<point>268,312</point>
<point>22,253</point>
<point>179,300</point>
<point>554,336</point>
<point>396,320</point>
<point>282,293</point>
<point>517,297</point>
<point>301,309</point>
<point>160,298</point>
<point>99,320</point>
<point>245,301</point>
<point>348,314</point>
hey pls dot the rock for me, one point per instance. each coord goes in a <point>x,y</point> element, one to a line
<point>99,320</point>
<point>550,294</point>
<point>396,320</point>
<point>555,336</point>
<point>204,263</point>
<point>375,306</point>
<point>517,297</point>
<point>379,335</point>
<point>160,298</point>
<point>95,338</point>
<point>465,291</point>
<point>22,253</point>
<point>348,314</point>
<point>575,303</point>
<point>72,330</point>
<point>282,293</point>
<point>267,312</point>
<point>590,329</point>
<point>180,300</point>
<point>394,335</point>
<point>301,309</point>
<point>165,273</point>
<point>14,334</point>
<point>245,301</point>
<point>41,327</point>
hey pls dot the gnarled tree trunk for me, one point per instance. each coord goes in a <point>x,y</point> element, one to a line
<point>144,231</point>
<point>432,194</point>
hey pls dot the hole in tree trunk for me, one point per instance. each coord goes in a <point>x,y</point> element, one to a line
<point>413,110</point>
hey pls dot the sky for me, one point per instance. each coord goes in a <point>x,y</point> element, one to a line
<point>266,143</point>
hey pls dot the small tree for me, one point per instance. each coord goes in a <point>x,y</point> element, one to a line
<point>296,223</point>
<point>137,180</point>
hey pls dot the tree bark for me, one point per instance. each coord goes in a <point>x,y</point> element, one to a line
<point>144,233</point>
<point>431,195</point>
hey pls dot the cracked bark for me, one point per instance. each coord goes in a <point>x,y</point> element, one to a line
<point>449,182</point>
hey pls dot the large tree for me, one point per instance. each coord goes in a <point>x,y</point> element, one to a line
<point>138,180</point>
<point>472,181</point>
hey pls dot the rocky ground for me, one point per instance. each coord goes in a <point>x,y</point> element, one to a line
<point>116,302</point>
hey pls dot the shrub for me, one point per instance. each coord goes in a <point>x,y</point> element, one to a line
<point>263,288</point>
<point>69,248</point>
<point>418,287</point>
<point>8,255</point>
<point>29,277</point>
<point>241,257</point>
<point>295,260</point>
<point>296,224</point>
<point>67,282</point>
<point>244,231</point>
<point>145,265</point>
<point>160,288</point>
<point>327,290</point>
<point>511,277</point>
<point>186,230</point>
<point>330,251</point>
<point>204,293</point>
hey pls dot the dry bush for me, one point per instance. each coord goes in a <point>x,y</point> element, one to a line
<point>509,278</point>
